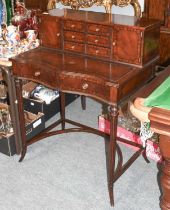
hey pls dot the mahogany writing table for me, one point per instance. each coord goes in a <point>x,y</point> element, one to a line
<point>109,82</point>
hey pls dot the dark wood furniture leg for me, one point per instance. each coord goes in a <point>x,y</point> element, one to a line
<point>62,110</point>
<point>83,102</point>
<point>18,85</point>
<point>164,142</point>
<point>113,112</point>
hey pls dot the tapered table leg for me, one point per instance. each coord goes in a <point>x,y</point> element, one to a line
<point>83,102</point>
<point>62,110</point>
<point>164,142</point>
<point>112,150</point>
<point>18,85</point>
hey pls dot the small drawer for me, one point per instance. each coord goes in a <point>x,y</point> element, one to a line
<point>76,47</point>
<point>98,51</point>
<point>99,29</point>
<point>90,86</point>
<point>74,36</point>
<point>74,25</point>
<point>98,40</point>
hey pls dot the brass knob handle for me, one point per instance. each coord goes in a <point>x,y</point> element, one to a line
<point>114,43</point>
<point>58,34</point>
<point>97,29</point>
<point>73,37</point>
<point>72,26</point>
<point>96,40</point>
<point>97,51</point>
<point>37,73</point>
<point>72,47</point>
<point>85,86</point>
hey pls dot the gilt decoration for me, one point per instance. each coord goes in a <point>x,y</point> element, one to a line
<point>76,4</point>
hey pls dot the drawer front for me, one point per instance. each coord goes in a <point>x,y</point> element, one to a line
<point>74,25</point>
<point>41,74</point>
<point>76,47</point>
<point>36,73</point>
<point>98,51</point>
<point>99,29</point>
<point>87,86</point>
<point>74,36</point>
<point>98,40</point>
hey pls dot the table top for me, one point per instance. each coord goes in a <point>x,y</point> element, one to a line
<point>108,81</point>
<point>103,18</point>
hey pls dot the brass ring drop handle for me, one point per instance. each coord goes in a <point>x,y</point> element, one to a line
<point>85,86</point>
<point>37,73</point>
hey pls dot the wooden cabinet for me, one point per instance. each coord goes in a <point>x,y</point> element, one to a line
<point>160,9</point>
<point>155,9</point>
<point>111,37</point>
<point>165,46</point>
<point>36,4</point>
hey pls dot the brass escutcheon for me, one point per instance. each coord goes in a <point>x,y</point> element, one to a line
<point>37,73</point>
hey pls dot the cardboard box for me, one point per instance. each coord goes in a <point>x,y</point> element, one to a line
<point>36,105</point>
<point>34,125</point>
<point>152,148</point>
<point>49,110</point>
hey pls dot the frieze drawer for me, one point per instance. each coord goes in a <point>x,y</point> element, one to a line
<point>89,87</point>
<point>36,73</point>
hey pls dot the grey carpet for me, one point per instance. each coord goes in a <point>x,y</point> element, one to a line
<point>68,172</point>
